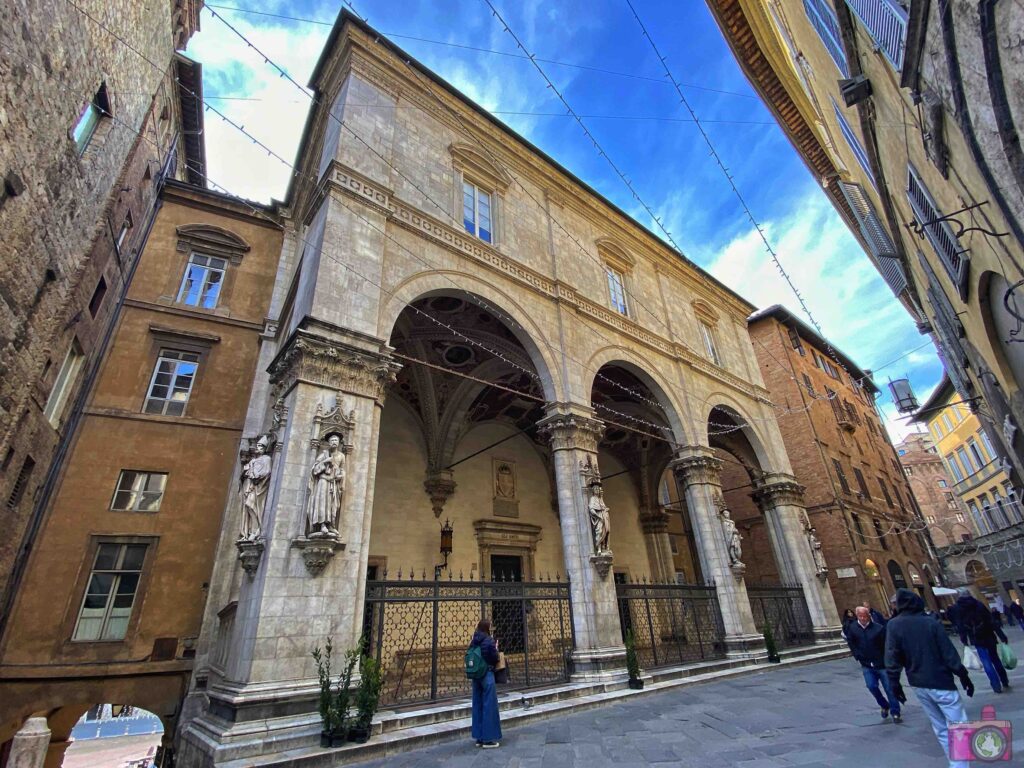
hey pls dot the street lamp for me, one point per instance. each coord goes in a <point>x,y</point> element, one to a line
<point>446,547</point>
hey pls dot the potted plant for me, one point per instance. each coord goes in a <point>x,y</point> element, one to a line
<point>344,699</point>
<point>769,644</point>
<point>632,663</point>
<point>367,699</point>
<point>327,703</point>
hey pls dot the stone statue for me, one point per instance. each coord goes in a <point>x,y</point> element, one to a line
<point>254,483</point>
<point>819,557</point>
<point>600,520</point>
<point>326,489</point>
<point>732,538</point>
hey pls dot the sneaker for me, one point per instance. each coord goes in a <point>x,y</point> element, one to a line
<point>897,719</point>
<point>885,713</point>
<point>491,744</point>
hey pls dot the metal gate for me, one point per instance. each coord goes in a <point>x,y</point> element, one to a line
<point>419,632</point>
<point>672,624</point>
<point>784,609</point>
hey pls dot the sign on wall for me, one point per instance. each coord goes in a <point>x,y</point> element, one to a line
<point>506,498</point>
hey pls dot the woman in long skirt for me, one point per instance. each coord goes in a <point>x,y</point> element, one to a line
<point>486,723</point>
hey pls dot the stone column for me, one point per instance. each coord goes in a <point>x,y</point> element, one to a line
<point>654,524</point>
<point>309,585</point>
<point>697,471</point>
<point>781,500</point>
<point>574,434</point>
<point>29,746</point>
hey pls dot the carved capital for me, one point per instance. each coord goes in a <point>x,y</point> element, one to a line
<point>697,467</point>
<point>439,485</point>
<point>779,490</point>
<point>567,431</point>
<point>327,363</point>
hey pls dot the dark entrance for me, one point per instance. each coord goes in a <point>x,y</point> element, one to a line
<point>508,616</point>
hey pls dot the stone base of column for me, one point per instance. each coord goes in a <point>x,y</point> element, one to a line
<point>824,635</point>
<point>599,665</point>
<point>30,744</point>
<point>744,646</point>
<point>244,722</point>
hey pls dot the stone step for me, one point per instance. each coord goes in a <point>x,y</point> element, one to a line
<point>397,732</point>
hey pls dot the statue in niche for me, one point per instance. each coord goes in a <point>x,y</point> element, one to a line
<point>326,490</point>
<point>600,520</point>
<point>819,557</point>
<point>255,481</point>
<point>733,542</point>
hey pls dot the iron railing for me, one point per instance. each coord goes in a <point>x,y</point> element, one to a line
<point>782,608</point>
<point>672,624</point>
<point>419,631</point>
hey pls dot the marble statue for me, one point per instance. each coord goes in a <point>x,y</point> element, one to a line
<point>326,490</point>
<point>819,557</point>
<point>732,538</point>
<point>254,483</point>
<point>600,520</point>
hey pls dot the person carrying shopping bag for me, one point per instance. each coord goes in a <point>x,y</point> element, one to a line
<point>976,627</point>
<point>481,658</point>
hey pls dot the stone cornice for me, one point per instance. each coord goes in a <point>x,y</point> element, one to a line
<point>314,359</point>
<point>345,181</point>
<point>569,430</point>
<point>697,466</point>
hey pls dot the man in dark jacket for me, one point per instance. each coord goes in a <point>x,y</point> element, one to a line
<point>876,617</point>
<point>919,644</point>
<point>1017,612</point>
<point>866,639</point>
<point>976,627</point>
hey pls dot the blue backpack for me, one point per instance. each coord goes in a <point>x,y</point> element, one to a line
<point>476,667</point>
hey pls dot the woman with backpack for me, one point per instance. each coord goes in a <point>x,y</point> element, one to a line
<point>481,658</point>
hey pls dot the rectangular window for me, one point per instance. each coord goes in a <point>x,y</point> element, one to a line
<point>954,468</point>
<point>63,384</point>
<point>988,445</point>
<point>976,453</point>
<point>978,519</point>
<point>617,290</point>
<point>707,333</point>
<point>885,491</point>
<point>965,460</point>
<point>97,297</point>
<point>936,430</point>
<point>201,284</point>
<point>841,475</point>
<point>825,23</point>
<point>794,339</point>
<point>21,482</point>
<point>139,491</point>
<point>863,486</point>
<point>89,119</point>
<point>939,233</point>
<point>947,423</point>
<point>808,385</point>
<point>876,235</point>
<point>476,211</point>
<point>110,594</point>
<point>942,483</point>
<point>880,535</point>
<point>126,225</point>
<point>172,381</point>
<point>854,142</point>
<point>886,22</point>
<point>960,517</point>
<point>860,530</point>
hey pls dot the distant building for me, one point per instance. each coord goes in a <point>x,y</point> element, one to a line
<point>856,493</point>
<point>990,560</point>
<point>939,503</point>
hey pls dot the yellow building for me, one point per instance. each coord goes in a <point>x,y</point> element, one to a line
<point>980,479</point>
<point>901,110</point>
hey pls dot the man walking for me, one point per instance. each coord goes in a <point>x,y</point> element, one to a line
<point>1017,612</point>
<point>976,627</point>
<point>919,644</point>
<point>876,617</point>
<point>866,639</point>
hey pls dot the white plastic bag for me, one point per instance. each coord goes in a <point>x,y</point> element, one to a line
<point>971,658</point>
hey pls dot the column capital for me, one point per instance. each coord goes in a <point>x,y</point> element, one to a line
<point>654,520</point>
<point>697,465</point>
<point>314,359</point>
<point>568,426</point>
<point>777,489</point>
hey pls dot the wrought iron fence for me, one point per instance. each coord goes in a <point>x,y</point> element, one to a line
<point>783,609</point>
<point>419,632</point>
<point>672,624</point>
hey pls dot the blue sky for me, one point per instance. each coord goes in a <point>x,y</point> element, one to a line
<point>637,119</point>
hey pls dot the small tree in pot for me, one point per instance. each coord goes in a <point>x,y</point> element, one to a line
<point>633,663</point>
<point>367,699</point>
<point>335,701</point>
<point>769,644</point>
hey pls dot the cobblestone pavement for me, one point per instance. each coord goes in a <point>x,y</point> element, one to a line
<point>813,716</point>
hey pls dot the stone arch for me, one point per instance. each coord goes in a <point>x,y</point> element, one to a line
<point>728,406</point>
<point>471,288</point>
<point>649,376</point>
<point>999,322</point>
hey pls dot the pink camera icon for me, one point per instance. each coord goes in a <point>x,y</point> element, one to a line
<point>988,740</point>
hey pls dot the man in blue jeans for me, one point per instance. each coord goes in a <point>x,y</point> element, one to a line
<point>866,639</point>
<point>976,627</point>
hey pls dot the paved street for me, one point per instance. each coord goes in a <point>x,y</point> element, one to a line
<point>815,715</point>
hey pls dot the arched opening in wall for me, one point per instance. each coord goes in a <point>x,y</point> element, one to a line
<point>463,496</point>
<point>896,575</point>
<point>980,579</point>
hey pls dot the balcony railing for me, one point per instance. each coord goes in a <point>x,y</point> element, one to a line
<point>887,22</point>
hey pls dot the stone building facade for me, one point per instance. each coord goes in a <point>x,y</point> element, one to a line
<point>857,496</point>
<point>470,342</point>
<point>983,482</point>
<point>943,510</point>
<point>906,112</point>
<point>89,131</point>
<point>112,599</point>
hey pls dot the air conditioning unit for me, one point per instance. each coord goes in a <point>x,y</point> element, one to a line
<point>855,90</point>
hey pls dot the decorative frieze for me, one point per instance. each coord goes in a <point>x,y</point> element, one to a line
<point>316,360</point>
<point>571,431</point>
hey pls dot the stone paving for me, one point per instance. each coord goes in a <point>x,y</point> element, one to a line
<point>812,716</point>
